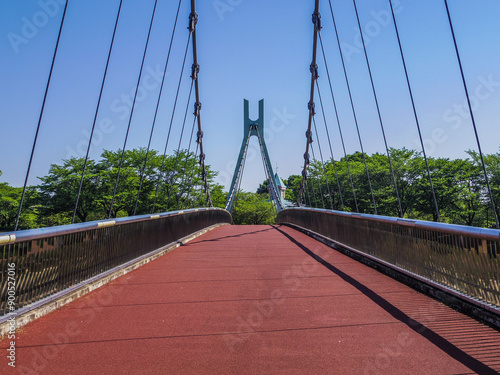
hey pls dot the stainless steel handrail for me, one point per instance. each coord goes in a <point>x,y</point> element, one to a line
<point>460,258</point>
<point>37,263</point>
<point>460,230</point>
<point>34,234</point>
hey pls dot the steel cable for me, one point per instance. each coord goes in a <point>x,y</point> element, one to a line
<point>338,119</point>
<point>378,111</point>
<point>132,112</point>
<point>157,106</point>
<point>40,118</point>
<point>472,116</point>
<point>415,113</point>
<point>160,176</point>
<point>354,114</point>
<point>331,151</point>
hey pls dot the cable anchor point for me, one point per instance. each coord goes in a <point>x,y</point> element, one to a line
<point>193,20</point>
<point>309,136</point>
<point>195,69</point>
<point>199,137</point>
<point>316,19</point>
<point>314,71</point>
<point>312,108</point>
<point>197,109</point>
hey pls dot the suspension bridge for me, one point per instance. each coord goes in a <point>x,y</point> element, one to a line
<point>335,286</point>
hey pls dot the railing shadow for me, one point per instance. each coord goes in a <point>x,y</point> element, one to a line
<point>397,312</point>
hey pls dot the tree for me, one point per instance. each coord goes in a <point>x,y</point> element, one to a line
<point>9,204</point>
<point>162,184</point>
<point>10,198</point>
<point>253,209</point>
<point>459,186</point>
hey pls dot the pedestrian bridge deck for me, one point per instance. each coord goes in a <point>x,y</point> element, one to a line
<point>256,300</point>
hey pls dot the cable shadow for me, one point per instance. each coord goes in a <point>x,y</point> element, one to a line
<point>448,347</point>
<point>234,236</point>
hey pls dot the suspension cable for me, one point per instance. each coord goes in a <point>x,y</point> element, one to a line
<point>313,193</point>
<point>472,116</point>
<point>331,149</point>
<point>193,20</point>
<point>355,116</point>
<point>191,185</point>
<point>320,190</point>
<point>415,113</point>
<point>96,113</point>
<point>323,163</point>
<point>307,193</point>
<point>378,112</point>
<point>316,19</point>
<point>161,172</point>
<point>157,107</point>
<point>177,156</point>
<point>40,118</point>
<point>183,183</point>
<point>337,115</point>
<point>132,111</point>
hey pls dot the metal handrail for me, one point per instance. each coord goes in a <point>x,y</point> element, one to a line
<point>460,230</point>
<point>34,234</point>
<point>38,263</point>
<point>453,257</point>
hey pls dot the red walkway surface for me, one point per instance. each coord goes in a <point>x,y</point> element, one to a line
<point>255,300</point>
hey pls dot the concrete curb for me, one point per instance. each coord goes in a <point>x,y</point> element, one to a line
<point>43,307</point>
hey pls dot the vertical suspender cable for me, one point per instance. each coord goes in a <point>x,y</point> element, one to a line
<point>179,146</point>
<point>96,113</point>
<point>132,111</point>
<point>354,113</point>
<point>160,177</point>
<point>306,195</point>
<point>472,117</point>
<point>378,111</point>
<point>191,184</point>
<point>323,163</point>
<point>40,118</point>
<point>320,190</point>
<point>313,195</point>
<point>415,113</point>
<point>337,115</point>
<point>193,20</point>
<point>183,183</point>
<point>330,144</point>
<point>157,106</point>
<point>316,19</point>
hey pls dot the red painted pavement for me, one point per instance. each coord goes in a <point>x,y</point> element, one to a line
<point>254,300</point>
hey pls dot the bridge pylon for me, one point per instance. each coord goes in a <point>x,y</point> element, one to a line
<point>254,128</point>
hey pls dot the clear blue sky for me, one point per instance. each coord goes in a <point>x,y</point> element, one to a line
<point>247,49</point>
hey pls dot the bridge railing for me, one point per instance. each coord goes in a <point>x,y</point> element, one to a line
<point>463,260</point>
<point>38,263</point>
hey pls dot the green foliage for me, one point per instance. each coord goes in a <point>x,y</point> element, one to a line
<point>459,186</point>
<point>263,188</point>
<point>9,205</point>
<point>253,209</point>
<point>166,183</point>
